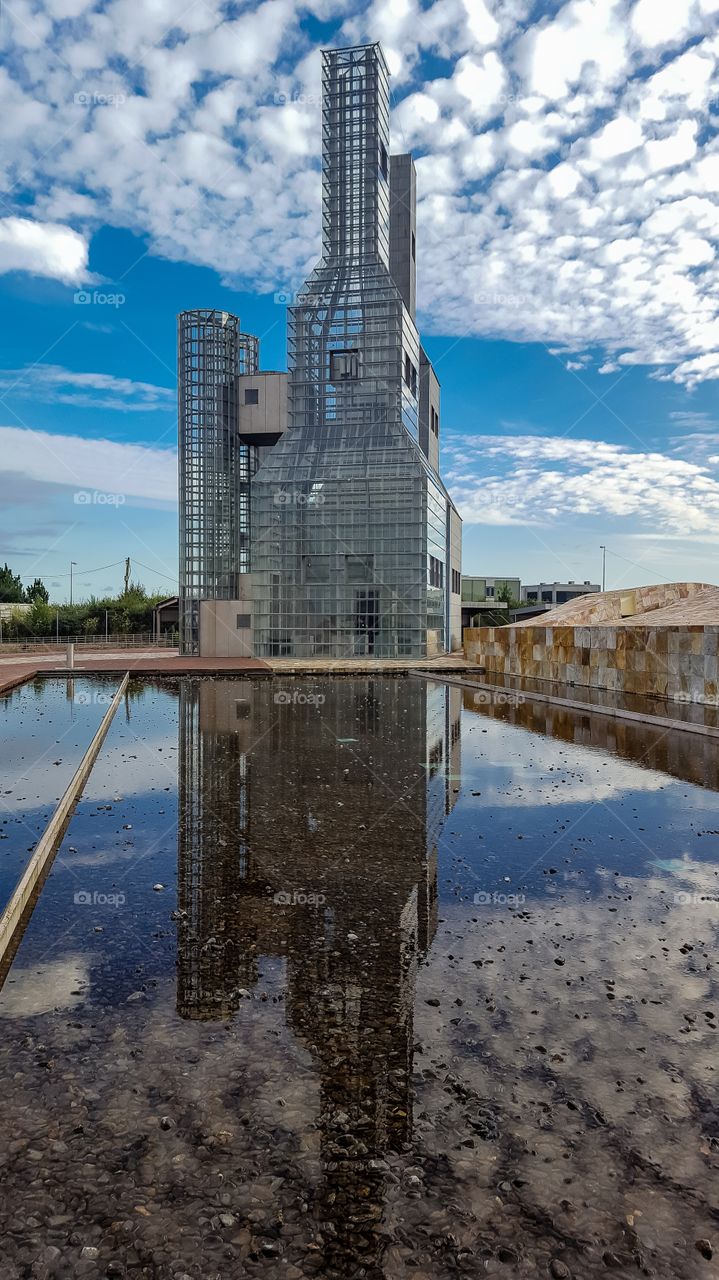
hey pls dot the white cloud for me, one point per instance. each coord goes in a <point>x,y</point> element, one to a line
<point>135,470</point>
<point>56,984</point>
<point>526,478</point>
<point>44,249</point>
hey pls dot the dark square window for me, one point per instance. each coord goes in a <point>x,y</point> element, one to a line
<point>344,365</point>
<point>317,568</point>
<point>359,568</point>
<point>243,621</point>
<point>252,395</point>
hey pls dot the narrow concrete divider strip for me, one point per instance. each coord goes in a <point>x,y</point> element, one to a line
<point>571,704</point>
<point>51,837</point>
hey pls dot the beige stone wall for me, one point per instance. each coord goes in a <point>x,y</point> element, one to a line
<point>678,663</point>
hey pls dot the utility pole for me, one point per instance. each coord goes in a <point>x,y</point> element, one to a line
<point>604,566</point>
<point>106,626</point>
<point>127,575</point>
<point>72,563</point>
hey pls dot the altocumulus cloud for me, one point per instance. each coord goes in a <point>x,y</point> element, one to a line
<point>568,162</point>
<point>528,479</point>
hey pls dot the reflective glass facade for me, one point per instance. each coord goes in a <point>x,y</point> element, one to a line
<point>350,548</point>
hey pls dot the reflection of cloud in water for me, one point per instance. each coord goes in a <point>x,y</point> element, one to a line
<point>528,771</point>
<point>592,1034</point>
<point>58,984</point>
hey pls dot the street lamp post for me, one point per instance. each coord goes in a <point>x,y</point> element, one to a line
<point>604,566</point>
<point>72,564</point>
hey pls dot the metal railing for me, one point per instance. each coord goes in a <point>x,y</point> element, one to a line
<point>135,640</point>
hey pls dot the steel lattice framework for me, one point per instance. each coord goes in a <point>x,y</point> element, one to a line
<point>215,468</point>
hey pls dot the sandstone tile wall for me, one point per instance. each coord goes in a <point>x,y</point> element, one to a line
<point>679,663</point>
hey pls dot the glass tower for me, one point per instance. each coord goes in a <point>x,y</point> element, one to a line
<point>215,466</point>
<point>350,520</point>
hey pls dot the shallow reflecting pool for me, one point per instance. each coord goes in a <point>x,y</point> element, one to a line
<point>369,977</point>
<point>45,728</point>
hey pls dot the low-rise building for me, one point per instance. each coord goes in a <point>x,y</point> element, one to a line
<point>558,592</point>
<point>482,598</point>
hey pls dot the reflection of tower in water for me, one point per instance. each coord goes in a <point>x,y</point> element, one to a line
<point>337,807</point>
<point>214,872</point>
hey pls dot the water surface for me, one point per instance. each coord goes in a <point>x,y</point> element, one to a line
<point>366,977</point>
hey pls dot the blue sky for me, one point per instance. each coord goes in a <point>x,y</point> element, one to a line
<point>568,167</point>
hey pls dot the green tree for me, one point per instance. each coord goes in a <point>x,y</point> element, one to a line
<point>40,619</point>
<point>504,594</point>
<point>11,589</point>
<point>37,591</point>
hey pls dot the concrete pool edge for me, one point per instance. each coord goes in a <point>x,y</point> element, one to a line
<point>25,894</point>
